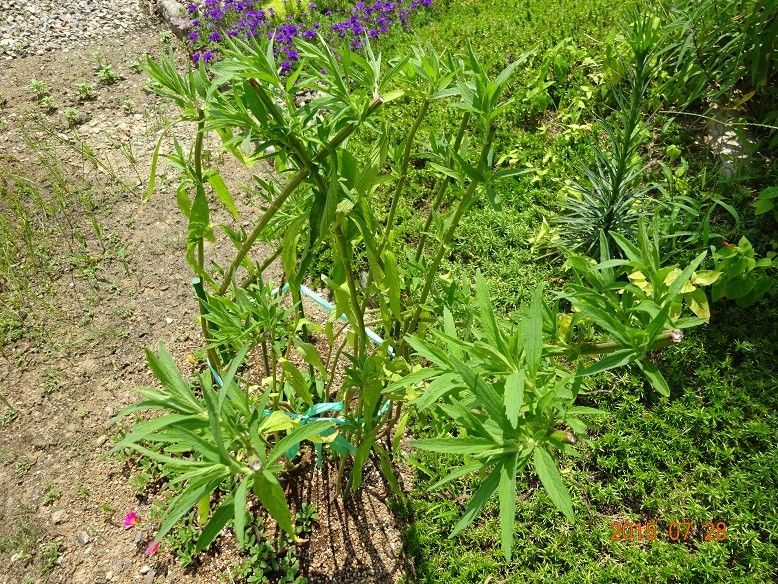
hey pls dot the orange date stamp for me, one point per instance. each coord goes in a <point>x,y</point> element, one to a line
<point>676,531</point>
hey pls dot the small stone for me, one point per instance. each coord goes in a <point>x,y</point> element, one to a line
<point>169,320</point>
<point>118,566</point>
<point>145,569</point>
<point>82,537</point>
<point>58,516</point>
<point>101,440</point>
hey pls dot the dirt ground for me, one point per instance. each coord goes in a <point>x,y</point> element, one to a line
<point>82,356</point>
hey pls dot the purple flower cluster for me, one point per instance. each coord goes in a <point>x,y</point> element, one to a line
<point>373,20</point>
<point>213,20</point>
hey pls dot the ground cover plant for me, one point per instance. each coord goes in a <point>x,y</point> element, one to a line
<point>373,178</point>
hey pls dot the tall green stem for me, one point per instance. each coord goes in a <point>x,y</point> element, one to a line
<point>291,186</point>
<point>300,152</point>
<point>403,173</point>
<point>198,170</point>
<point>440,189</point>
<point>360,334</point>
<point>448,236</point>
<point>213,356</point>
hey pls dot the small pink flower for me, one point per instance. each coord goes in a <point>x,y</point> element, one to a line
<point>131,520</point>
<point>152,548</point>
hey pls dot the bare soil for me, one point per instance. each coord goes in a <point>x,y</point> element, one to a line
<point>81,356</point>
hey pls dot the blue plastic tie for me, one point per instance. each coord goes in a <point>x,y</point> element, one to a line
<point>340,444</point>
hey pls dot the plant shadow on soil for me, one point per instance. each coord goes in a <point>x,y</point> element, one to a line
<point>357,537</point>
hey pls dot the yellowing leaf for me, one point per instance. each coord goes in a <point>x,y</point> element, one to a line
<point>688,287</point>
<point>276,422</point>
<point>705,277</point>
<point>319,439</point>
<point>639,280</point>
<point>564,324</point>
<point>675,309</point>
<point>698,304</point>
<point>672,277</point>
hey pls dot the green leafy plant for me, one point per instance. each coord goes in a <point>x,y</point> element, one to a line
<point>39,89</point>
<point>85,90</point>
<point>47,104</point>
<point>766,202</point>
<point>506,401</point>
<point>72,116</point>
<point>268,561</point>
<point>325,196</point>
<point>218,438</point>
<point>711,49</point>
<point>609,201</point>
<point>744,277</point>
<point>107,74</point>
<point>509,397</point>
<point>636,302</point>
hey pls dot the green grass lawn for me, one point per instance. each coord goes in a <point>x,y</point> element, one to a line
<point>706,454</point>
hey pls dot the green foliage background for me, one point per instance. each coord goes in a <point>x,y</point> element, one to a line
<point>706,454</point>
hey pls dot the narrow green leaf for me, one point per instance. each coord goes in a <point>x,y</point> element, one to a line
<point>459,445</point>
<point>616,359</point>
<point>311,355</point>
<point>296,436</point>
<point>655,377</point>
<point>460,471</point>
<point>533,332</point>
<point>271,495</point>
<point>153,171</point>
<point>552,482</point>
<point>488,398</point>
<point>143,429</point>
<point>199,216</point>
<point>478,500</point>
<point>296,380</point>
<point>486,314</point>
<point>239,510</point>
<point>360,457</point>
<point>437,388</point>
<point>217,184</point>
<point>184,503</point>
<point>506,493</point>
<point>514,396</point>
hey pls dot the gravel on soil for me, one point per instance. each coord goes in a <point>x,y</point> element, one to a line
<point>35,27</point>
